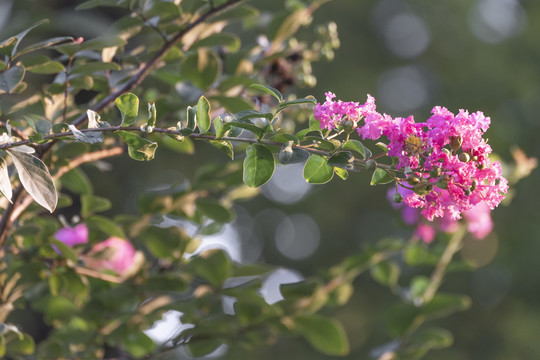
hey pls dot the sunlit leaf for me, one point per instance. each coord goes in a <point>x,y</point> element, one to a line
<point>326,335</point>
<point>269,90</point>
<point>128,104</point>
<point>5,183</point>
<point>203,115</point>
<point>35,178</point>
<point>139,148</point>
<point>381,176</point>
<point>316,171</point>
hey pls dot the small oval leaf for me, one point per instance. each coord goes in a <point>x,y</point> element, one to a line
<point>259,165</point>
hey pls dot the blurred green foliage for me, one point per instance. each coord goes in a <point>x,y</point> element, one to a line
<point>410,55</point>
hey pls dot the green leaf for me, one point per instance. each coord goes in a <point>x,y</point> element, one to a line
<point>326,335</point>
<point>401,319</point>
<point>203,347</point>
<point>232,104</point>
<point>314,125</point>
<point>214,266</point>
<point>5,183</point>
<point>152,115</point>
<point>66,251</point>
<point>382,146</point>
<point>432,338</point>
<point>76,181</point>
<point>386,273</point>
<point>229,41</point>
<point>269,90</point>
<point>90,4</point>
<point>214,210</point>
<point>344,160</point>
<point>128,104</point>
<point>91,204</point>
<point>138,344</point>
<point>102,42</point>
<point>342,173</point>
<point>219,126</point>
<point>9,47</point>
<point>20,346</point>
<point>138,148</point>
<point>45,44</point>
<point>90,68</point>
<point>381,176</point>
<point>247,125</point>
<point>445,304</point>
<point>356,146</point>
<point>43,65</point>
<point>295,102</point>
<point>191,114</point>
<point>185,146</point>
<point>10,79</point>
<point>106,225</point>
<point>258,165</point>
<point>6,46</point>
<point>35,178</point>
<point>203,115</point>
<point>92,137</point>
<point>316,171</point>
<point>84,82</point>
<point>283,138</point>
<point>202,68</point>
<point>224,146</point>
<point>286,152</point>
<point>245,115</point>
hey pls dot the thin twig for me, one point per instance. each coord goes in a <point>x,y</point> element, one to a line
<point>436,277</point>
<point>98,275</point>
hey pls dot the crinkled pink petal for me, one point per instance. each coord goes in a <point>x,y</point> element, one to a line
<point>119,255</point>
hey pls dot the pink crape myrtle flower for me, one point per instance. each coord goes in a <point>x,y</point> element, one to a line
<point>73,236</point>
<point>332,113</point>
<point>113,254</point>
<point>478,219</point>
<point>447,154</point>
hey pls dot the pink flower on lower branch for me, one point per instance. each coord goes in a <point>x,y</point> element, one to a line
<point>73,236</point>
<point>477,218</point>
<point>114,254</point>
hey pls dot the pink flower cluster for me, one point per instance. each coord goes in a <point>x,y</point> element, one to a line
<point>478,219</point>
<point>446,159</point>
<point>113,254</point>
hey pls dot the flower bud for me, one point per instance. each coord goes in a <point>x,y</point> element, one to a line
<point>474,185</point>
<point>442,182</point>
<point>446,151</point>
<point>413,180</point>
<point>397,198</point>
<point>435,172</point>
<point>455,143</point>
<point>371,165</point>
<point>464,157</point>
<point>481,166</point>
<point>421,189</point>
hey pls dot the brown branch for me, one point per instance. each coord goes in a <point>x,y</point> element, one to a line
<point>7,219</point>
<point>98,275</point>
